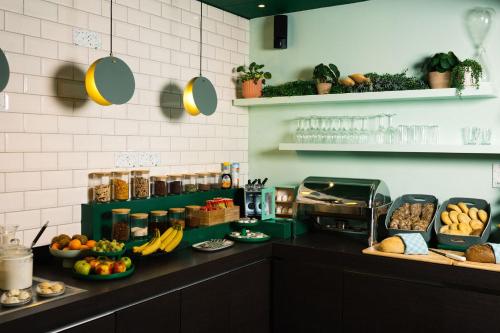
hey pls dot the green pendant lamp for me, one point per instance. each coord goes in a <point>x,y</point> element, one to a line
<point>109,80</point>
<point>4,71</point>
<point>199,95</point>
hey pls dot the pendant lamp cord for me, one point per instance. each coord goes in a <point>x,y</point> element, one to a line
<point>201,32</point>
<point>111,29</point>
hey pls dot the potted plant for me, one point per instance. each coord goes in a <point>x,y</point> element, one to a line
<point>252,80</point>
<point>439,69</point>
<point>325,76</point>
<point>467,73</point>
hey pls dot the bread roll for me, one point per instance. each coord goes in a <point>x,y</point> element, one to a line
<point>445,217</point>
<point>483,216</point>
<point>463,218</point>
<point>473,213</point>
<point>480,253</point>
<point>392,244</point>
<point>454,207</point>
<point>476,225</point>
<point>463,207</point>
<point>453,216</point>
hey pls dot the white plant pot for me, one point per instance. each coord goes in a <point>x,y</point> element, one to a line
<point>468,79</point>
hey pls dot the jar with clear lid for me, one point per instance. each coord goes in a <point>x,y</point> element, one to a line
<point>140,184</point>
<point>120,224</point>
<point>16,266</point>
<point>203,181</point>
<point>177,217</point>
<point>157,221</point>
<point>215,180</point>
<point>139,226</point>
<point>99,187</point>
<point>190,214</point>
<point>189,183</point>
<point>120,185</point>
<point>159,186</point>
<point>175,184</point>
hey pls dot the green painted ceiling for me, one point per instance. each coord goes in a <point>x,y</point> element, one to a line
<point>249,8</point>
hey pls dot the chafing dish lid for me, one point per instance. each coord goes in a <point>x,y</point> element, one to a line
<point>343,191</point>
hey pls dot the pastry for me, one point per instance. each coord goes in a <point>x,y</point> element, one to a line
<point>480,253</point>
<point>392,244</point>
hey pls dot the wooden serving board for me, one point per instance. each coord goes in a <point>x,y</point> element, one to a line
<point>435,259</point>
<point>431,257</point>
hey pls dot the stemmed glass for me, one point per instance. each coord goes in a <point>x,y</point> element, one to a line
<point>390,131</point>
<point>303,130</point>
<point>315,129</point>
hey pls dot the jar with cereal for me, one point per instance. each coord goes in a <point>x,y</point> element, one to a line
<point>120,185</point>
<point>99,187</point>
<point>140,184</point>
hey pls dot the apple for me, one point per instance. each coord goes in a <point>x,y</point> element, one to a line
<point>127,261</point>
<point>88,259</point>
<point>119,267</point>
<point>82,267</point>
<point>93,264</point>
<point>103,269</point>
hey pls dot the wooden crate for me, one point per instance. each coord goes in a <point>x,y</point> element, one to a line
<point>215,217</point>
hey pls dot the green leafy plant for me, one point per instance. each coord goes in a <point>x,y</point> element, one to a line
<point>458,74</point>
<point>326,74</point>
<point>254,72</point>
<point>394,82</point>
<point>294,88</point>
<point>441,62</point>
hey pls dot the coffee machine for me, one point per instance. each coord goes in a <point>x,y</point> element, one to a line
<point>259,200</point>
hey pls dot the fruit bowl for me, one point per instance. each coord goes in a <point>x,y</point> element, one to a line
<point>68,256</point>
<point>116,254</point>
<point>107,277</point>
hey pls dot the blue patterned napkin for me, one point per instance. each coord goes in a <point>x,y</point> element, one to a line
<point>496,251</point>
<point>414,243</point>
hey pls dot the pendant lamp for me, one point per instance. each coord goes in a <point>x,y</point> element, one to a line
<point>4,71</point>
<point>199,95</point>
<point>109,80</point>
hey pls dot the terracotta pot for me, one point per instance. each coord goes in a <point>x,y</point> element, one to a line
<point>323,87</point>
<point>250,89</point>
<point>439,80</point>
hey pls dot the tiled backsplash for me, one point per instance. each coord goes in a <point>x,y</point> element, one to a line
<point>52,136</point>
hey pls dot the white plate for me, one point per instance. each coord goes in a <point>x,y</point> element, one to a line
<point>52,294</point>
<point>23,302</point>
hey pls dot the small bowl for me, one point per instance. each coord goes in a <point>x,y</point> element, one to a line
<point>53,294</point>
<point>68,256</point>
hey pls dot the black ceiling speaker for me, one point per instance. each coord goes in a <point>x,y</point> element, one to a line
<point>280,31</point>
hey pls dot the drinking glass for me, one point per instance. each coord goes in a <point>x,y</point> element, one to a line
<point>315,129</point>
<point>431,134</point>
<point>418,134</point>
<point>380,129</point>
<point>390,133</point>
<point>402,136</point>
<point>335,130</point>
<point>324,129</point>
<point>486,136</point>
<point>471,135</point>
<point>364,133</point>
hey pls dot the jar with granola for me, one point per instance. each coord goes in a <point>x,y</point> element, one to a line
<point>120,185</point>
<point>99,187</point>
<point>140,184</point>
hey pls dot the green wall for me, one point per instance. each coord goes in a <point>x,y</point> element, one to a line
<point>381,36</point>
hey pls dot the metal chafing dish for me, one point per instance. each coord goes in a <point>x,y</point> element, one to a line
<point>346,205</point>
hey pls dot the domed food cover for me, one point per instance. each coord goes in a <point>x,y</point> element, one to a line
<point>347,205</point>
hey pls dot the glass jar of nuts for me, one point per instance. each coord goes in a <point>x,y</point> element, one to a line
<point>159,186</point>
<point>203,181</point>
<point>99,187</point>
<point>174,184</point>
<point>140,184</point>
<point>189,183</point>
<point>120,185</point>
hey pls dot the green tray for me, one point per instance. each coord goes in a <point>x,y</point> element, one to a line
<point>95,277</point>
<point>250,240</point>
<point>246,225</point>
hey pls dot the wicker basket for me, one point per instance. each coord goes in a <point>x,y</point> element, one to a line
<point>215,217</point>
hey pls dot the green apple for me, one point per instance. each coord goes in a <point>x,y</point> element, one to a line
<point>127,261</point>
<point>82,267</point>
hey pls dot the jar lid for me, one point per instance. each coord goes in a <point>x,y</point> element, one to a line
<point>193,207</point>
<point>155,178</point>
<point>121,210</point>
<point>118,173</point>
<point>203,174</point>
<point>177,210</point>
<point>99,174</point>
<point>139,172</point>
<point>139,215</point>
<point>15,250</point>
<point>189,175</point>
<point>158,212</point>
<point>176,176</point>
<point>215,173</point>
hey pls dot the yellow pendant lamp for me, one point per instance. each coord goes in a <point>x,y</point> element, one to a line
<point>109,80</point>
<point>199,94</point>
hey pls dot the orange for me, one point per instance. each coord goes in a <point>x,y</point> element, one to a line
<point>75,244</point>
<point>55,246</point>
<point>90,243</point>
<point>84,247</point>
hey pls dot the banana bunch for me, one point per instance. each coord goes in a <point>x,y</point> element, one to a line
<point>167,242</point>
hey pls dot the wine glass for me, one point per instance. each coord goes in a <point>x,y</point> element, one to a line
<point>315,129</point>
<point>390,132</point>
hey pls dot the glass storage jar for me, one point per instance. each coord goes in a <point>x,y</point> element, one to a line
<point>203,181</point>
<point>215,180</point>
<point>16,266</point>
<point>120,185</point>
<point>140,184</point>
<point>99,187</point>
<point>157,221</point>
<point>158,186</point>
<point>120,227</point>
<point>189,183</point>
<point>175,184</point>
<point>139,226</point>
<point>190,221</point>
<point>177,216</point>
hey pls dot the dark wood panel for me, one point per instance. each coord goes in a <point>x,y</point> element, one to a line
<point>376,304</point>
<point>160,314</point>
<point>104,324</point>
<point>306,297</point>
<point>234,302</point>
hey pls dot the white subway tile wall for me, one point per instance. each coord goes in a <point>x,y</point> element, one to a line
<point>52,135</point>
